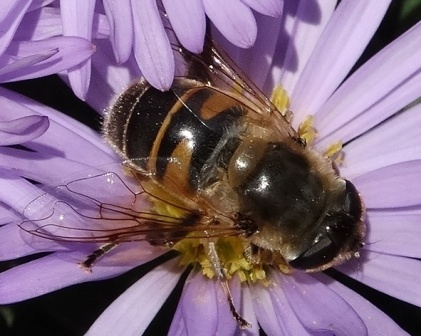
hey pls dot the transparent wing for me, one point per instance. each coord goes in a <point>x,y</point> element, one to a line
<point>215,68</point>
<point>112,207</point>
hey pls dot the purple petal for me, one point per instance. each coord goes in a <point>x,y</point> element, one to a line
<point>402,178</point>
<point>178,327</point>
<point>42,58</point>
<point>180,12</point>
<point>50,273</point>
<point>377,322</point>
<point>339,47</point>
<point>395,141</point>
<point>234,20</point>
<point>247,312</point>
<point>226,323</point>
<point>386,83</point>
<point>274,311</point>
<point>62,131</point>
<point>11,14</point>
<point>35,4</point>
<point>256,61</point>
<point>131,312</point>
<point>319,308</point>
<point>77,19</point>
<point>394,234</point>
<point>393,275</point>
<point>16,245</point>
<point>151,45</point>
<point>266,7</point>
<point>19,131</point>
<point>198,302</point>
<point>119,14</point>
<point>304,25</point>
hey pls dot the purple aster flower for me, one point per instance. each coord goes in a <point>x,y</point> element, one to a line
<point>381,156</point>
<point>25,54</point>
<point>134,28</point>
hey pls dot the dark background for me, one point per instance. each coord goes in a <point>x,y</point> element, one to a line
<point>72,310</point>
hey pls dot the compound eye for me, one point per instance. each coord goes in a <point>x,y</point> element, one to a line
<point>320,253</point>
<point>352,205</point>
<point>337,232</point>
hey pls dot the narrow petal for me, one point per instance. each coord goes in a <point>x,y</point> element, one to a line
<point>19,131</point>
<point>392,275</point>
<point>395,141</point>
<point>377,322</point>
<point>319,308</point>
<point>182,11</point>
<point>119,14</point>
<point>198,302</point>
<point>266,7</point>
<point>151,45</point>
<point>11,14</point>
<point>339,47</point>
<point>50,273</point>
<point>399,235</point>
<point>77,19</point>
<point>376,186</point>
<point>247,312</point>
<point>54,55</point>
<point>132,312</point>
<point>62,131</point>
<point>16,245</point>
<point>392,77</point>
<point>304,25</point>
<point>234,20</point>
<point>273,310</point>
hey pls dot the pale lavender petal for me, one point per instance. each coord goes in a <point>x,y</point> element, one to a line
<point>234,20</point>
<point>180,13</point>
<point>304,26</point>
<point>377,322</point>
<point>266,7</point>
<point>273,310</point>
<point>394,186</point>
<point>11,14</point>
<point>63,130</point>
<point>16,192</point>
<point>256,60</point>
<point>319,308</point>
<point>22,130</point>
<point>119,14</point>
<point>54,55</point>
<point>50,273</point>
<point>151,45</point>
<point>394,234</point>
<point>397,140</point>
<point>198,302</point>
<point>247,312</point>
<point>392,275</point>
<point>132,312</point>
<point>40,24</point>
<point>392,78</point>
<point>339,47</point>
<point>109,78</point>
<point>35,4</point>
<point>16,245</point>
<point>77,19</point>
<point>226,323</point>
<point>178,327</point>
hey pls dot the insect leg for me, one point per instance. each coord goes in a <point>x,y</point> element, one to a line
<point>97,254</point>
<point>218,269</point>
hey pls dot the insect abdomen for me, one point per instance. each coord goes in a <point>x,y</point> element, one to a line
<point>173,135</point>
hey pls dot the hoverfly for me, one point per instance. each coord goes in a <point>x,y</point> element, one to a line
<point>208,159</point>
